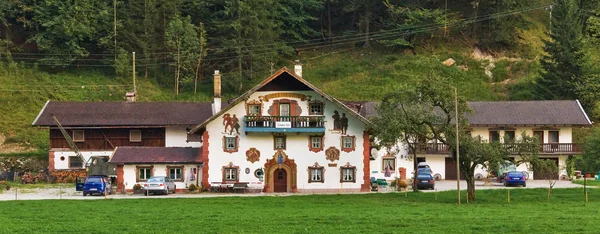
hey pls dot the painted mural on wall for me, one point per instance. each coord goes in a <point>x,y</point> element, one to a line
<point>252,155</point>
<point>231,123</point>
<point>332,154</point>
<point>340,123</point>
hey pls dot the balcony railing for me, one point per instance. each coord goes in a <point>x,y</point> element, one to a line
<point>548,148</point>
<point>284,123</point>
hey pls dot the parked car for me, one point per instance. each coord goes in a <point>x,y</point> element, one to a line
<point>425,180</point>
<point>423,168</point>
<point>515,178</point>
<point>97,184</point>
<point>159,184</point>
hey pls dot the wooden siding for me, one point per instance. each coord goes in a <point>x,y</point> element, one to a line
<point>108,139</point>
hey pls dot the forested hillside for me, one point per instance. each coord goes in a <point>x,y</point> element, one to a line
<point>352,49</point>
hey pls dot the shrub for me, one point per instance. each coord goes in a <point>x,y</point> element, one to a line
<point>192,187</point>
<point>137,187</point>
<point>402,183</point>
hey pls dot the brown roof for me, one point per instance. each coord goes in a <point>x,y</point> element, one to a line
<point>155,155</point>
<point>123,113</point>
<point>528,113</point>
<point>514,113</point>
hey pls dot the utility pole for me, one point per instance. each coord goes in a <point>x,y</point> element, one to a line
<point>457,150</point>
<point>134,88</point>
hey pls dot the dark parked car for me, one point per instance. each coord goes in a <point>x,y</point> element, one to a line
<point>97,184</point>
<point>515,178</point>
<point>425,180</point>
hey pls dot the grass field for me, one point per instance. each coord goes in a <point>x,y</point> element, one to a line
<point>528,212</point>
<point>590,182</point>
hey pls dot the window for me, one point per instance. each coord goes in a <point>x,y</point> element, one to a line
<point>494,136</point>
<point>230,174</point>
<point>284,109</point>
<point>552,136</point>
<point>348,174</point>
<point>316,175</point>
<point>253,109</point>
<point>315,143</point>
<point>75,162</point>
<point>279,142</point>
<point>348,143</point>
<point>135,135</point>
<point>144,173</point>
<point>509,136</point>
<point>176,173</point>
<point>391,162</point>
<point>315,108</point>
<point>78,136</point>
<point>230,144</point>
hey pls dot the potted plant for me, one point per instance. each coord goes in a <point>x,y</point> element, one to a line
<point>137,189</point>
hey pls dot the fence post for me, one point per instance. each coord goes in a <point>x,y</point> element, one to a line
<point>16,192</point>
<point>60,192</point>
<point>508,196</point>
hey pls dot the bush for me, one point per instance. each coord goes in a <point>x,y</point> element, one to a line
<point>402,183</point>
<point>4,186</point>
<point>137,187</point>
<point>192,187</point>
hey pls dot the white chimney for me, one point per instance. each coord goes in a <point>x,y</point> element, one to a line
<point>298,68</point>
<point>217,92</point>
<point>130,96</point>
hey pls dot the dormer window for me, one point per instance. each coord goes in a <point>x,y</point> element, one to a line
<point>254,108</point>
<point>135,135</point>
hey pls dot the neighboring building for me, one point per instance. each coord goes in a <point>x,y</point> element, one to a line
<point>551,121</point>
<point>283,135</point>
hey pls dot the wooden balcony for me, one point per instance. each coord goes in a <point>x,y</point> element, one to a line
<point>284,123</point>
<point>548,148</point>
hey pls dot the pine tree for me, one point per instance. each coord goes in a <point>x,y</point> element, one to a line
<point>563,64</point>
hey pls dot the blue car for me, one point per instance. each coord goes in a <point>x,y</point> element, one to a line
<point>97,184</point>
<point>515,178</point>
<point>425,180</point>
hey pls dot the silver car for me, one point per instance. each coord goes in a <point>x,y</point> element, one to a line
<point>159,184</point>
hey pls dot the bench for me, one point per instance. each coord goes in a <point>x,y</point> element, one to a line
<point>240,187</point>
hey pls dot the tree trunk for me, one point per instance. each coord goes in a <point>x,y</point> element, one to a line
<point>367,30</point>
<point>329,33</point>
<point>177,70</point>
<point>470,186</point>
<point>415,167</point>
<point>196,80</point>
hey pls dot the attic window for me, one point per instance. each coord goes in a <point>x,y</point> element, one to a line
<point>135,135</point>
<point>78,136</point>
<point>315,108</point>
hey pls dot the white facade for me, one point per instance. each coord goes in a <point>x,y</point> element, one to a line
<point>177,137</point>
<point>297,146</point>
<point>130,174</point>
<point>61,158</point>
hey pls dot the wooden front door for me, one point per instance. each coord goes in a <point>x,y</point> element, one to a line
<point>450,169</point>
<point>280,181</point>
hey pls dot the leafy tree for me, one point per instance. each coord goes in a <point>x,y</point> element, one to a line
<point>547,169</point>
<point>182,39</point>
<point>426,112</point>
<point>202,52</point>
<point>408,22</point>
<point>69,29</point>
<point>589,162</point>
<point>503,25</point>
<point>563,63</point>
<point>366,12</point>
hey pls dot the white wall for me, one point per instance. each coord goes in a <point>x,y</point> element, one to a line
<point>177,137</point>
<point>564,133</point>
<point>297,147</point>
<point>130,174</point>
<point>64,164</point>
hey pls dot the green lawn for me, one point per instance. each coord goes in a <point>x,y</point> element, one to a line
<point>590,182</point>
<point>528,212</point>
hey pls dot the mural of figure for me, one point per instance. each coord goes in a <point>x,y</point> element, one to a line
<point>344,123</point>
<point>227,123</point>
<point>235,122</point>
<point>336,120</point>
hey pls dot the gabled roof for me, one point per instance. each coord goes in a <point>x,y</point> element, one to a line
<point>516,113</point>
<point>267,81</point>
<point>555,112</point>
<point>89,114</point>
<point>155,155</point>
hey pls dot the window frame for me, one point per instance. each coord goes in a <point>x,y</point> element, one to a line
<point>225,170</point>
<point>550,140</point>
<point>316,103</point>
<point>352,169</point>
<point>181,173</point>
<point>236,142</point>
<point>289,106</point>
<point>310,143</point>
<point>383,159</point>
<point>250,108</point>
<point>509,139</point>
<point>131,134</point>
<point>491,139</point>
<point>80,132</point>
<point>71,161</point>
<point>138,169</point>
<point>284,139</point>
<point>316,167</point>
<point>348,149</point>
